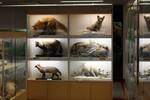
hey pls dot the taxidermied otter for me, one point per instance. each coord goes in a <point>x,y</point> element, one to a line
<point>89,50</point>
<point>53,70</point>
<point>147,19</point>
<point>49,26</point>
<point>96,27</point>
<point>50,49</point>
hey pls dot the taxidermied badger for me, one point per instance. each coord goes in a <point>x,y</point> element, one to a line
<point>96,27</point>
<point>145,51</point>
<point>147,19</point>
<point>53,70</point>
<point>89,50</point>
<point>50,49</point>
<point>48,26</point>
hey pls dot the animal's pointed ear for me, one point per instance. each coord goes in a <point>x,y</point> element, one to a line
<point>98,17</point>
<point>103,17</point>
<point>145,17</point>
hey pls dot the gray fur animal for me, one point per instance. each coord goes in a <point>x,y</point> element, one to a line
<point>50,49</point>
<point>96,27</point>
<point>82,49</point>
<point>53,70</point>
<point>147,19</point>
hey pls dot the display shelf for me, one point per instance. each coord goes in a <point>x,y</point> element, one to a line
<point>47,25</point>
<point>90,35</point>
<point>95,37</point>
<point>144,70</point>
<point>90,59</point>
<point>90,70</point>
<point>50,58</point>
<point>61,69</point>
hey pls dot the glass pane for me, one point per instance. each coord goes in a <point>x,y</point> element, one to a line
<point>20,64</point>
<point>9,69</point>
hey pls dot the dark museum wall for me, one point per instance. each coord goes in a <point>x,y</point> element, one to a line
<point>13,18</point>
<point>117,42</point>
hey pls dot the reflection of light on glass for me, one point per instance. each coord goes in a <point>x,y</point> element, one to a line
<point>81,1</point>
<point>51,5</point>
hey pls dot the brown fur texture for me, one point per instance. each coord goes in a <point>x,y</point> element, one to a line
<point>49,26</point>
<point>147,19</point>
<point>53,70</point>
<point>96,27</point>
<point>50,49</point>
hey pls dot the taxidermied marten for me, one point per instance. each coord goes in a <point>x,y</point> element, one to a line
<point>53,70</point>
<point>49,26</point>
<point>96,27</point>
<point>147,19</point>
<point>50,49</point>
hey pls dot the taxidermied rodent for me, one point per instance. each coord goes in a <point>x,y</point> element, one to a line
<point>147,19</point>
<point>53,70</point>
<point>96,27</point>
<point>50,49</point>
<point>49,26</point>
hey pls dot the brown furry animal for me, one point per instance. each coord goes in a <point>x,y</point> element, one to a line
<point>50,49</point>
<point>96,27</point>
<point>147,19</point>
<point>53,70</point>
<point>49,26</point>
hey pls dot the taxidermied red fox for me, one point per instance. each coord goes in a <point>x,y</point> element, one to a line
<point>49,25</point>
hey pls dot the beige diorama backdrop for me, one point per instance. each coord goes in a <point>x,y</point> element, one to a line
<point>79,22</point>
<point>143,26</point>
<point>32,19</point>
<point>76,66</point>
<point>33,50</point>
<point>61,65</point>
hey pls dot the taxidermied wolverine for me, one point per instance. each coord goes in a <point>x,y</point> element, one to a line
<point>49,26</point>
<point>147,19</point>
<point>53,70</point>
<point>50,49</point>
<point>96,27</point>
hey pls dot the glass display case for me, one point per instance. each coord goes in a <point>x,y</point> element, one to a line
<point>131,68</point>
<point>13,67</point>
<point>144,51</point>
<point>70,47</point>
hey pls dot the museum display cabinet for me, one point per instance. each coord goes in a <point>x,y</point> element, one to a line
<point>131,49</point>
<point>69,52</point>
<point>12,65</point>
<point>144,40</point>
<point>138,58</point>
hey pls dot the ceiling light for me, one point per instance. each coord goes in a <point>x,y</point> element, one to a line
<point>49,5</point>
<point>82,1</point>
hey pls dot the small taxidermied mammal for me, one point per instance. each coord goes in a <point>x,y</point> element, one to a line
<point>147,19</point>
<point>53,70</point>
<point>49,26</point>
<point>10,90</point>
<point>96,27</point>
<point>50,49</point>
